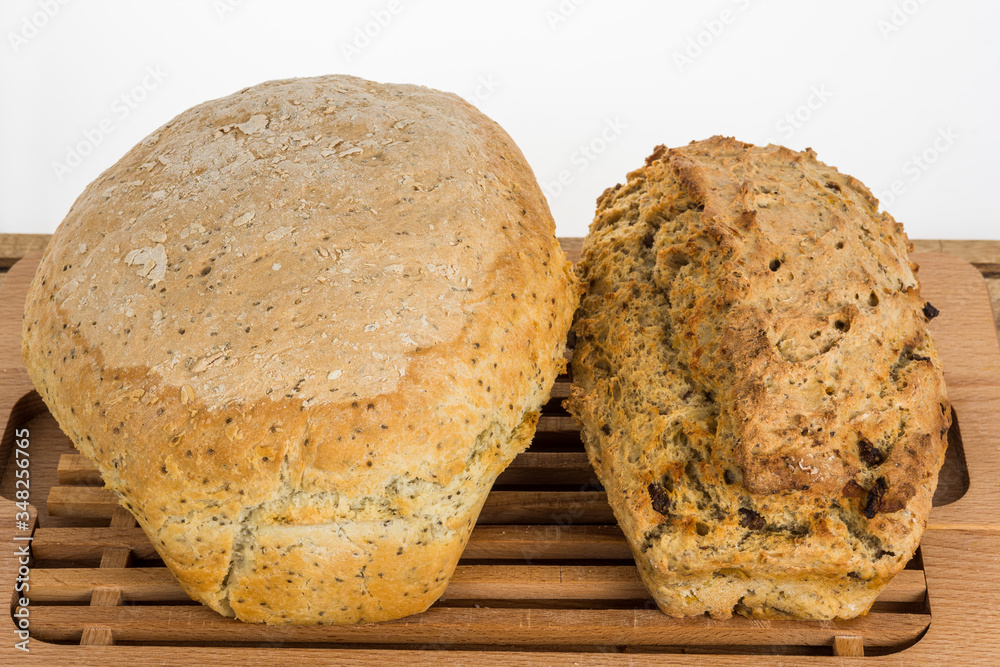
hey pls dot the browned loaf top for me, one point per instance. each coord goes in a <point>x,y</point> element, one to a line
<point>755,380</point>
<point>301,329</point>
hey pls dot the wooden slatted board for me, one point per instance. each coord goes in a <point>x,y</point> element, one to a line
<point>547,576</point>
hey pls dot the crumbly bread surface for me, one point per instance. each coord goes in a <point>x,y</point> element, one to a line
<point>300,330</point>
<point>755,381</point>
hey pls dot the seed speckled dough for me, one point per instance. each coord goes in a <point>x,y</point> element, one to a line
<point>238,323</point>
<point>756,384</point>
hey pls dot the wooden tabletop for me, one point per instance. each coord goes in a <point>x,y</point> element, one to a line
<point>984,255</point>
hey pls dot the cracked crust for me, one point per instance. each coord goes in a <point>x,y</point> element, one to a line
<point>756,384</point>
<point>300,330</point>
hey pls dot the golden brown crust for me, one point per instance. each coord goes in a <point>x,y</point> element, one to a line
<point>301,329</point>
<point>756,384</point>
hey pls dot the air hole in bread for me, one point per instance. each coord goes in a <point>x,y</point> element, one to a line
<point>667,482</point>
<point>669,263</point>
<point>775,264</point>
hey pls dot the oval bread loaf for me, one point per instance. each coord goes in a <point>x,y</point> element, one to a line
<point>300,330</point>
<point>756,384</point>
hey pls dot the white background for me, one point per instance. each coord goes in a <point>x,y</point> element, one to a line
<point>899,93</point>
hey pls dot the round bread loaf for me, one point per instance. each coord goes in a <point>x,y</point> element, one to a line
<point>300,330</point>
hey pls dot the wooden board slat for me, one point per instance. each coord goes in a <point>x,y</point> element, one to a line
<point>499,582</point>
<point>849,645</point>
<point>531,543</point>
<point>551,507</point>
<point>557,424</point>
<point>501,507</point>
<point>116,557</point>
<point>443,625</point>
<point>993,285</point>
<point>15,246</point>
<point>527,468</point>
<point>75,544</point>
<point>78,470</point>
<point>560,390</point>
<point>106,597</point>
<point>976,252</point>
<point>96,635</point>
<point>545,582</point>
<point>82,501</point>
<point>470,582</point>
<point>527,543</point>
<point>73,584</point>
